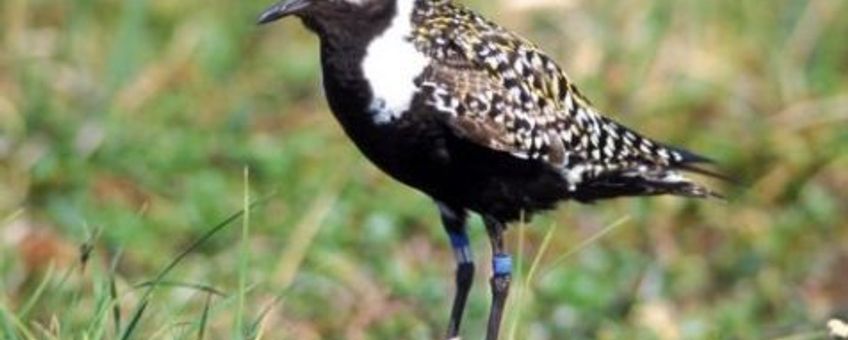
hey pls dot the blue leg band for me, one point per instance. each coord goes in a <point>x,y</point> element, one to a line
<point>461,247</point>
<point>458,240</point>
<point>502,265</point>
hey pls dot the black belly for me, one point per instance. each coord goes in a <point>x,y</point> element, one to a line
<point>421,151</point>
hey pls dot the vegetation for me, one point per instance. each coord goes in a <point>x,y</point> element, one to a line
<point>126,127</point>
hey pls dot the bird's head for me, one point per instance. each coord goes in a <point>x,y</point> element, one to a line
<point>318,13</point>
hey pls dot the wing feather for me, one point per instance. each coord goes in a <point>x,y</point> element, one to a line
<point>503,92</point>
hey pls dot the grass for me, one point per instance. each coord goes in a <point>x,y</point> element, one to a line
<point>126,128</point>
<point>245,257</point>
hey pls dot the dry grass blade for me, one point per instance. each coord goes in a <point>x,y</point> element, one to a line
<point>45,333</point>
<point>811,113</point>
<point>193,286</point>
<point>587,242</point>
<point>519,270</point>
<point>541,253</point>
<point>257,329</point>
<point>36,295</point>
<point>87,248</point>
<point>113,293</point>
<point>805,336</point>
<point>304,233</point>
<point>13,216</point>
<point>10,330</point>
<point>244,258</point>
<point>529,277</point>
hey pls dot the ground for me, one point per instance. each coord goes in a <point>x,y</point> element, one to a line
<point>126,128</point>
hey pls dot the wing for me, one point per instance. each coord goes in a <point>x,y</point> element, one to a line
<point>481,109</point>
<point>502,92</point>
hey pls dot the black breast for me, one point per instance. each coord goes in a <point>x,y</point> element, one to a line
<point>420,150</point>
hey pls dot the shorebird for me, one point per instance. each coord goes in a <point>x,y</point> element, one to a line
<point>479,119</point>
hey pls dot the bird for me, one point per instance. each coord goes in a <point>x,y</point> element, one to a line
<point>479,119</point>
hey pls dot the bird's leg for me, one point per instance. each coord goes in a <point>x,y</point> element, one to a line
<point>454,223</point>
<point>501,275</point>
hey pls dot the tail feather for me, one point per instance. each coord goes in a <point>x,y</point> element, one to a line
<point>644,167</point>
<point>688,157</point>
<point>710,173</point>
<point>687,161</point>
<point>643,183</point>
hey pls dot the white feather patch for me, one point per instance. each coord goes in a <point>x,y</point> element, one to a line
<point>391,64</point>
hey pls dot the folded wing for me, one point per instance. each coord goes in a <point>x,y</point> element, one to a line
<point>500,91</point>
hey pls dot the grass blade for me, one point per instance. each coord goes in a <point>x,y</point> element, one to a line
<point>515,305</point>
<point>15,324</point>
<point>243,257</point>
<point>36,295</point>
<point>541,253</point>
<point>257,329</point>
<point>585,243</point>
<point>135,319</point>
<point>6,326</point>
<point>204,318</point>
<point>113,293</point>
<point>139,310</point>
<point>529,278</point>
<point>195,286</point>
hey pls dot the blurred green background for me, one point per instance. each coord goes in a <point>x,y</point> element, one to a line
<point>126,126</point>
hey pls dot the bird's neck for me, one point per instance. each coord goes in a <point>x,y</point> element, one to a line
<point>343,50</point>
<point>340,29</point>
<point>345,39</point>
<point>363,60</point>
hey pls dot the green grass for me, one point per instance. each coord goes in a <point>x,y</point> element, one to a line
<point>126,128</point>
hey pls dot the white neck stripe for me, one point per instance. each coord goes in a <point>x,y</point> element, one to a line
<point>391,64</point>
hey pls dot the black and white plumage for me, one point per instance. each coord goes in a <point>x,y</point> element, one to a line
<point>476,117</point>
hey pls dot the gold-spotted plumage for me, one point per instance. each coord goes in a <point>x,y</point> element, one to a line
<point>505,93</point>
